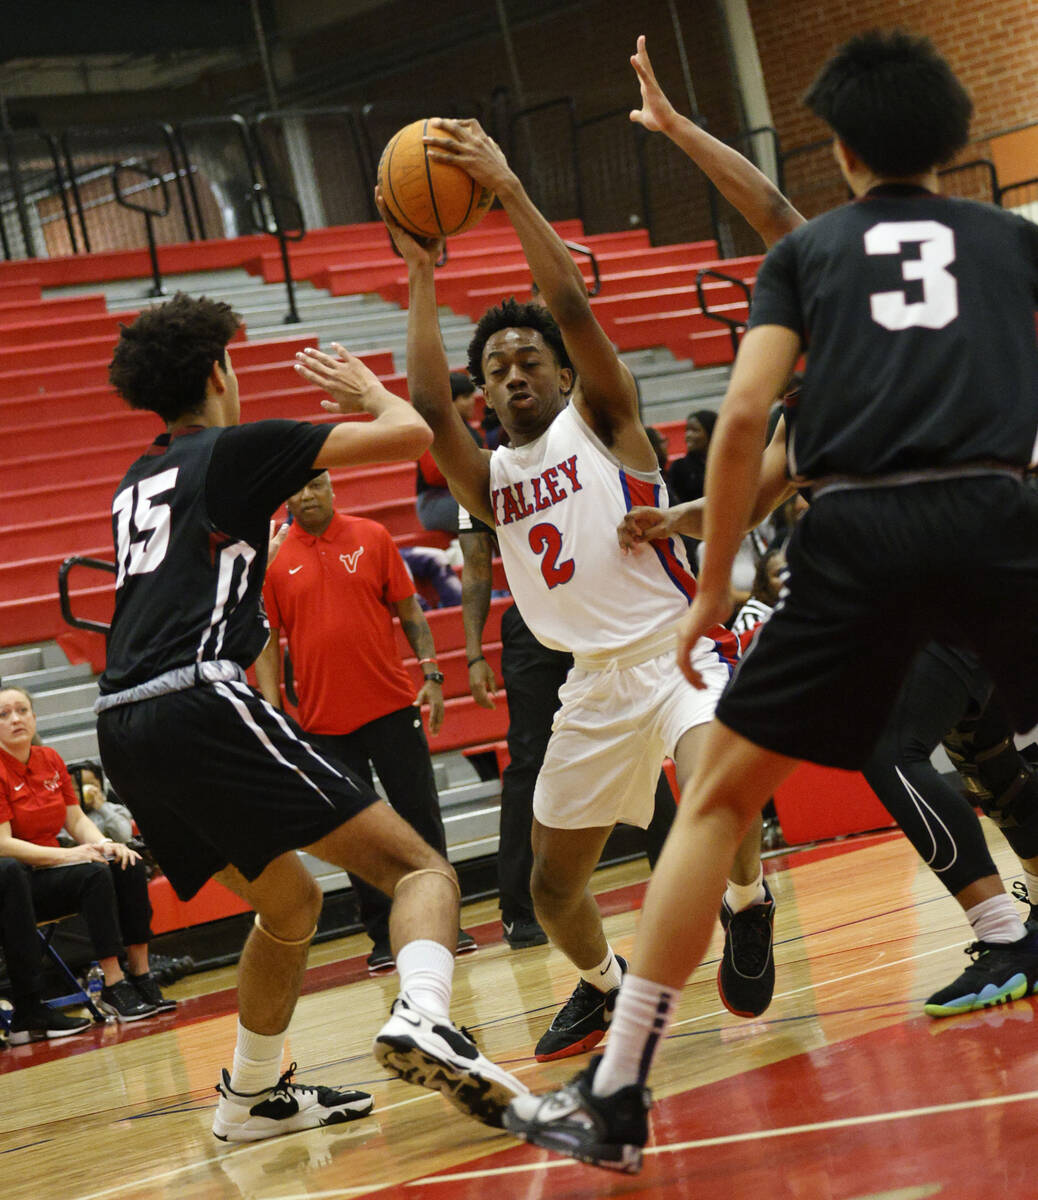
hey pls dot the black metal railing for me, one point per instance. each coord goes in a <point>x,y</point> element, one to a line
<point>96,564</point>
<point>735,326</point>
<point>128,197</point>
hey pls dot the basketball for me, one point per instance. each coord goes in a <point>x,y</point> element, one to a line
<point>430,199</point>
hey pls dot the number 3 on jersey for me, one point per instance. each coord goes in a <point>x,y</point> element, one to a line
<point>143,555</point>
<point>546,541</point>
<point>940,303</point>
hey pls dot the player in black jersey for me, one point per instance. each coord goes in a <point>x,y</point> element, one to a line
<point>917,419</point>
<point>223,785</point>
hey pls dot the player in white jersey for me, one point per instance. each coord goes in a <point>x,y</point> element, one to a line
<point>579,459</point>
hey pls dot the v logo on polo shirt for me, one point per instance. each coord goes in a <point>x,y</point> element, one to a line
<point>349,561</point>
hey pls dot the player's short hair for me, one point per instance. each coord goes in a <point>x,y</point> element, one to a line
<point>162,361</point>
<point>893,100</point>
<point>511,314</point>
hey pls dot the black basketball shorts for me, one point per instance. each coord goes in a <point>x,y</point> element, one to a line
<point>214,775</point>
<point>874,575</point>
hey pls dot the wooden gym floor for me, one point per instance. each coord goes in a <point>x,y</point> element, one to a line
<point>843,1091</point>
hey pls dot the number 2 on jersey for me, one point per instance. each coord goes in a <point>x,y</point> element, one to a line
<point>546,541</point>
<point>143,555</point>
<point>940,303</point>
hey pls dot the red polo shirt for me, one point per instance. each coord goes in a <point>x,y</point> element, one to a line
<point>34,795</point>
<point>333,597</point>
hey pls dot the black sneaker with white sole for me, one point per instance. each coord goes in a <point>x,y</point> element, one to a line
<point>432,1053</point>
<point>287,1107</point>
<point>746,976</point>
<point>122,1001</point>
<point>150,992</point>
<point>605,1131</point>
<point>40,1023</point>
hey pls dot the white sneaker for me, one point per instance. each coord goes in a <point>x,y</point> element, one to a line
<point>430,1053</point>
<point>285,1108</point>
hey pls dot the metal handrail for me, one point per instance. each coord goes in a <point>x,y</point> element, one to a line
<point>122,197</point>
<point>577,248</point>
<point>734,327</point>
<point>77,560</point>
<point>264,200</point>
<point>987,165</point>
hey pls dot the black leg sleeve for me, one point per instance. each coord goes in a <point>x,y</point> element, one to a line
<point>936,818</point>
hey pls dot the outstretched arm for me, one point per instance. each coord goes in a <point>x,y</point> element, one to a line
<point>465,465</point>
<point>607,391</point>
<point>396,431</point>
<point>645,524</point>
<point>744,187</point>
<point>763,364</point>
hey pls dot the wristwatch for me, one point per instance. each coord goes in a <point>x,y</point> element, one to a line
<point>434,677</point>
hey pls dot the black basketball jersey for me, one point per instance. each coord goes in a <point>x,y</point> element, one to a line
<point>190,522</point>
<point>917,313</point>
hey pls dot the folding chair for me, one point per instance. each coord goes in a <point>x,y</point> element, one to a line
<point>79,994</point>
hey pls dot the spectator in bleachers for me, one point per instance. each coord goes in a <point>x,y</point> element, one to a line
<point>436,507</point>
<point>659,444</point>
<point>102,879</point>
<point>112,818</point>
<point>432,566</point>
<point>685,480</point>
<point>334,587</point>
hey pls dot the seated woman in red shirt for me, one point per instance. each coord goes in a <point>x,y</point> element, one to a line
<point>104,880</point>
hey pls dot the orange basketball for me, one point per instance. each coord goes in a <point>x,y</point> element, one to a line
<point>431,199</point>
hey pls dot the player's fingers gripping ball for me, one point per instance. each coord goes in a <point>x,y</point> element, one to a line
<point>428,198</point>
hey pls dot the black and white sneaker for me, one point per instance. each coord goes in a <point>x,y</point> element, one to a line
<point>150,992</point>
<point>285,1108</point>
<point>606,1131</point>
<point>381,958</point>
<point>581,1023</point>
<point>746,976</point>
<point>523,931</point>
<point>122,1001</point>
<point>435,1054</point>
<point>39,1023</point>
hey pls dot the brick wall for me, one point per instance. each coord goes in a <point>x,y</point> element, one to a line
<point>992,46</point>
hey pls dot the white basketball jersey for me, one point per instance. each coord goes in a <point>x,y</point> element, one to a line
<point>557,502</point>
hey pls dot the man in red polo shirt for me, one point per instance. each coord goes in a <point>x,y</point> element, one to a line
<point>334,588</point>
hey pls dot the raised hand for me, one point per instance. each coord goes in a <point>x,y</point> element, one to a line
<point>275,539</point>
<point>345,378</point>
<point>642,524</point>
<point>656,111</point>
<point>413,249</point>
<point>467,145</point>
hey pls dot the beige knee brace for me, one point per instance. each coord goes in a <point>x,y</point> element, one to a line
<point>430,871</point>
<point>281,941</point>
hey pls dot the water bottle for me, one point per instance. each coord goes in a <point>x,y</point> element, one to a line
<point>95,981</point>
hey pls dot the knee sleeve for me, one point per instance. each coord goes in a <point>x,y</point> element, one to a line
<point>998,778</point>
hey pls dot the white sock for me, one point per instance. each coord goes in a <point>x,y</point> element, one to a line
<point>1032,886</point>
<point>606,975</point>
<point>257,1061</point>
<point>996,920</point>
<point>426,971</point>
<point>643,1012</point>
<point>742,895</point>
